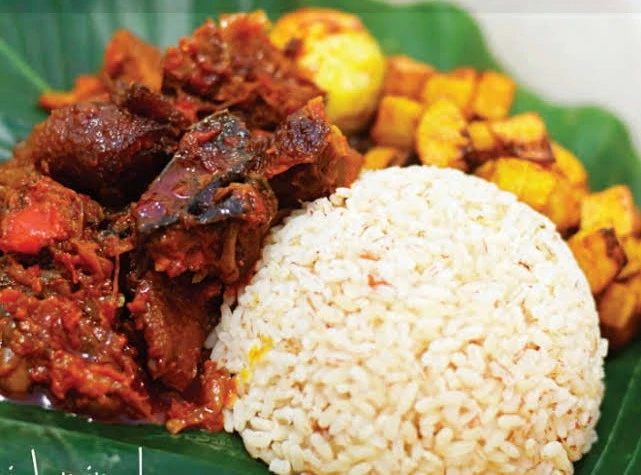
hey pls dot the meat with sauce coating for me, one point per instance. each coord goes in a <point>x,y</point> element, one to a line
<point>235,66</point>
<point>175,319</point>
<point>102,150</point>
<point>208,211</point>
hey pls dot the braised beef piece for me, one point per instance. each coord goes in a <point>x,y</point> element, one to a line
<point>140,100</point>
<point>212,391</point>
<point>235,66</point>
<point>102,150</point>
<point>59,304</point>
<point>208,211</point>
<point>307,158</point>
<point>38,212</point>
<point>175,317</point>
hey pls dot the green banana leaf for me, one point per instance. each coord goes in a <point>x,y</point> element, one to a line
<point>46,44</point>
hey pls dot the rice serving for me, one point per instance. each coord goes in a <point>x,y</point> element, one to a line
<point>419,322</point>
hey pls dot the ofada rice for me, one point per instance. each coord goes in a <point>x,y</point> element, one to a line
<point>422,321</point>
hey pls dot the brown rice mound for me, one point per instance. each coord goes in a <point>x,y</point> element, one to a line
<point>422,321</point>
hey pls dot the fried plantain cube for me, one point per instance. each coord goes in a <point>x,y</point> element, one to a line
<point>613,207</point>
<point>570,166</point>
<point>396,122</point>
<point>457,87</point>
<point>530,182</point>
<point>564,206</point>
<point>484,145</point>
<point>441,137</point>
<point>494,96</point>
<point>383,157</point>
<point>464,72</point>
<point>600,255</point>
<point>617,312</point>
<point>543,189</point>
<point>406,77</point>
<point>632,248</point>
<point>524,136</point>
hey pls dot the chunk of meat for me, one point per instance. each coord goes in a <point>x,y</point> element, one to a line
<point>142,101</point>
<point>102,150</point>
<point>214,392</point>
<point>307,158</point>
<point>175,320</point>
<point>208,211</point>
<point>127,59</point>
<point>235,66</point>
<point>39,212</point>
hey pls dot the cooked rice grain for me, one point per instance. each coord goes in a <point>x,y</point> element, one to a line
<point>421,321</point>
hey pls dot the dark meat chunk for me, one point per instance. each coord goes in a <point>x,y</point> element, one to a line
<point>102,150</point>
<point>127,60</point>
<point>214,391</point>
<point>307,158</point>
<point>235,66</point>
<point>140,100</point>
<point>39,212</point>
<point>175,318</point>
<point>208,211</point>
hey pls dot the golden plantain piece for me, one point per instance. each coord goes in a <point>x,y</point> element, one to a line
<point>457,87</point>
<point>600,255</point>
<point>613,207</point>
<point>617,312</point>
<point>382,157</point>
<point>406,77</point>
<point>530,182</point>
<point>632,248</point>
<point>564,205</point>
<point>484,145</point>
<point>441,137</point>
<point>396,122</point>
<point>543,189</point>
<point>494,96</point>
<point>524,136</point>
<point>570,166</point>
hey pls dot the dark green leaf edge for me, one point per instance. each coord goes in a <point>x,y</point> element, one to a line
<point>630,410</point>
<point>221,450</point>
